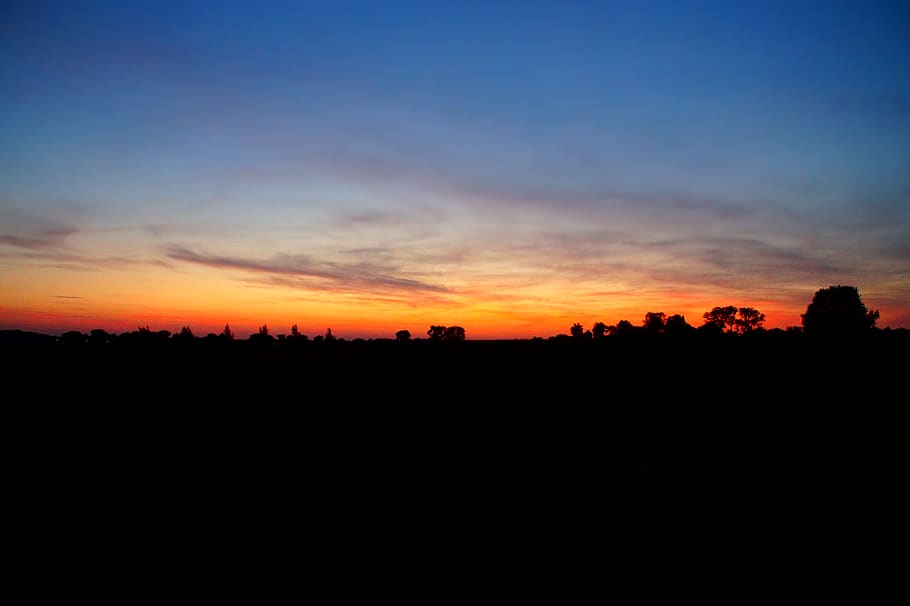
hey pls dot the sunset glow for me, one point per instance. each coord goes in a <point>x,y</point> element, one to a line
<point>370,167</point>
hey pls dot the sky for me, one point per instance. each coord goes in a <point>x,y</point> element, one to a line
<point>509,167</point>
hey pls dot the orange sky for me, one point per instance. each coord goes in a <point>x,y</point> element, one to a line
<point>53,300</point>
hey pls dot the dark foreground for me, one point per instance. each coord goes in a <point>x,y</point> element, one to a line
<point>725,470</point>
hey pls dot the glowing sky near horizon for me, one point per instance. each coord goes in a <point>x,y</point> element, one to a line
<point>511,167</point>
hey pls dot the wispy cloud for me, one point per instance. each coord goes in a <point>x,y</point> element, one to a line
<point>352,275</point>
<point>41,239</point>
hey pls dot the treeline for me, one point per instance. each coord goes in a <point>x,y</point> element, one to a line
<point>836,311</point>
<point>833,311</point>
<point>729,319</point>
<point>261,339</point>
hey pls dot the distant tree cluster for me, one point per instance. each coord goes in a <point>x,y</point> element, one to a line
<point>836,310</point>
<point>655,322</point>
<point>732,319</point>
<point>446,333</point>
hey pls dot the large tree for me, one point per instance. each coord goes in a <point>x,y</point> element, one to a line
<point>749,319</point>
<point>723,318</point>
<point>838,310</point>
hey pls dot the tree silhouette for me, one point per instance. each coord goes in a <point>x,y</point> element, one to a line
<point>454,333</point>
<point>599,330</point>
<point>329,337</point>
<point>577,330</point>
<point>623,327</point>
<point>185,336</point>
<point>72,337</point>
<point>403,335</point>
<point>98,337</point>
<point>227,333</point>
<point>655,321</point>
<point>445,333</point>
<point>723,318</point>
<point>749,319</point>
<point>677,325</point>
<point>838,310</point>
<point>262,337</point>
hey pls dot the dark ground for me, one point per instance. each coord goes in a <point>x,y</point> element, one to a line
<point>722,470</point>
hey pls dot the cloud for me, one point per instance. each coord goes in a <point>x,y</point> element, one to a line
<point>41,239</point>
<point>43,242</point>
<point>355,276</point>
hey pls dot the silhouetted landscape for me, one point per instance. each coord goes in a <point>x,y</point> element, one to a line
<point>631,465</point>
<point>455,302</point>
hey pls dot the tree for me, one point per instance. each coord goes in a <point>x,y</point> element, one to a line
<point>723,318</point>
<point>677,325</point>
<point>185,335</point>
<point>623,327</point>
<point>749,319</point>
<point>329,336</point>
<point>454,333</point>
<point>98,336</point>
<point>655,321</point>
<point>599,330</point>
<point>295,332</point>
<point>577,330</point>
<point>403,335</point>
<point>227,334</point>
<point>72,337</point>
<point>838,310</point>
<point>262,336</point>
<point>446,333</point>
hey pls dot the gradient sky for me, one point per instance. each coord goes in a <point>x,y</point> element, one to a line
<point>511,167</point>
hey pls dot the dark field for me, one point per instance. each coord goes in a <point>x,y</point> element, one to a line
<point>620,470</point>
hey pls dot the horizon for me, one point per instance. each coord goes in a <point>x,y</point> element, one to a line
<point>244,331</point>
<point>510,169</point>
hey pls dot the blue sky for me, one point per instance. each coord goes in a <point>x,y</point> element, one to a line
<point>753,151</point>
